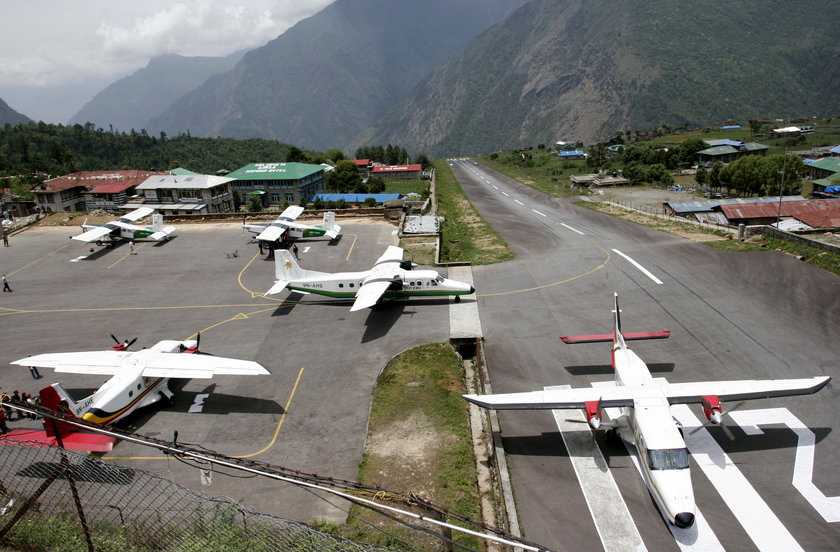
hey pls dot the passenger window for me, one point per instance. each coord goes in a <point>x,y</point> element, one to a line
<point>341,285</point>
<point>138,387</point>
<point>131,393</point>
<point>351,284</point>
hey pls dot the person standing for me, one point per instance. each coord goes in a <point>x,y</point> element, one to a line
<point>3,427</point>
<point>33,370</point>
<point>6,284</point>
<point>131,247</point>
<point>5,237</point>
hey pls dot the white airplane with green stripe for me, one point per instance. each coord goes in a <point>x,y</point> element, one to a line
<point>391,277</point>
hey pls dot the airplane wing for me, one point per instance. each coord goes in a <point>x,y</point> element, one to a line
<point>103,363</point>
<point>95,234</point>
<point>290,213</point>
<point>380,278</point>
<point>692,392</point>
<point>136,214</point>
<point>555,399</point>
<point>154,363</point>
<point>271,233</point>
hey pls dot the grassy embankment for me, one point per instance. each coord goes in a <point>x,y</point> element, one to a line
<point>418,442</point>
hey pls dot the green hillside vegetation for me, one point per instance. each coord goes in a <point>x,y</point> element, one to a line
<point>36,151</point>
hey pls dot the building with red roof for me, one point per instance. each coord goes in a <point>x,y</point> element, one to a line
<point>90,190</point>
<point>406,172</point>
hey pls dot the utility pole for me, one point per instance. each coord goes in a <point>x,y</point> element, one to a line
<point>781,188</point>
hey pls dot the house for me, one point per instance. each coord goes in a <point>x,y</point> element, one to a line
<point>278,183</point>
<point>572,154</point>
<point>726,151</point>
<point>89,190</point>
<point>403,172</point>
<point>363,166</point>
<point>185,193</point>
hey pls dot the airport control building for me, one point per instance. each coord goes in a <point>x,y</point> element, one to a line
<point>278,183</point>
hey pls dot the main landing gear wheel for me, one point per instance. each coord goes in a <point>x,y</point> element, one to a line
<point>457,298</point>
<point>169,400</point>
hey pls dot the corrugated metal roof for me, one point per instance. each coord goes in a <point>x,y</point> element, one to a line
<point>397,168</point>
<point>835,150</point>
<point>723,142</point>
<point>191,181</point>
<point>91,180</point>
<point>786,209</point>
<point>356,198</point>
<point>275,171</point>
<point>829,164</point>
<point>704,205</point>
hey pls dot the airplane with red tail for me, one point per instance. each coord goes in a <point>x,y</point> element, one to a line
<point>139,379</point>
<point>646,419</point>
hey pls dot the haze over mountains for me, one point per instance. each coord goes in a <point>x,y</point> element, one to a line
<point>10,116</point>
<point>447,77</point>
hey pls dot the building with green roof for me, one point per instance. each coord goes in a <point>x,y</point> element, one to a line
<point>280,182</point>
<point>727,151</point>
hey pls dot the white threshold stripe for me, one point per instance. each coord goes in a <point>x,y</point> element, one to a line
<point>645,271</point>
<point>572,229</point>
<point>609,512</point>
<point>537,212</point>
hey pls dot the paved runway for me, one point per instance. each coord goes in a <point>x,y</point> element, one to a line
<point>732,316</point>
<point>310,414</point>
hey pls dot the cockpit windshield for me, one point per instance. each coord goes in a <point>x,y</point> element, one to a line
<point>439,279</point>
<point>668,459</point>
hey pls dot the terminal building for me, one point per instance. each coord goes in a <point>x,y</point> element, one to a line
<point>185,194</point>
<point>278,183</point>
<point>89,190</point>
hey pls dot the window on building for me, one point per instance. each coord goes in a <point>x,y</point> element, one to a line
<point>290,197</point>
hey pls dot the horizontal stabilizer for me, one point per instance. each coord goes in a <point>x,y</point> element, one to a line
<point>278,286</point>
<point>77,440</point>
<point>334,232</point>
<point>629,336</point>
<point>162,234</point>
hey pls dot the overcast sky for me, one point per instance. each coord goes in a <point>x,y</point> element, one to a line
<point>81,46</point>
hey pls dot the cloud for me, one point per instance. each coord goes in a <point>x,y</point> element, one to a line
<point>102,39</point>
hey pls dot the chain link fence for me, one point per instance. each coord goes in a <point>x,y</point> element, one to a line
<point>58,500</point>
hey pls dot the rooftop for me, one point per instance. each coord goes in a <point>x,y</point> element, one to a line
<point>190,181</point>
<point>94,181</point>
<point>275,171</point>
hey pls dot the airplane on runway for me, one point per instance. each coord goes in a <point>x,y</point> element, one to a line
<point>273,231</point>
<point>646,419</point>
<point>139,379</point>
<point>390,277</point>
<point>121,229</point>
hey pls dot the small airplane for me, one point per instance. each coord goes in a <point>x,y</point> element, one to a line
<point>390,277</point>
<point>121,229</point>
<point>646,419</point>
<point>139,379</point>
<point>273,231</point>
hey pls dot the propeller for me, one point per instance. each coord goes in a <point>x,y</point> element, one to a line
<point>121,345</point>
<point>192,349</point>
<point>715,417</point>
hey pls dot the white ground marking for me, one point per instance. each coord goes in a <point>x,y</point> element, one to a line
<point>803,467</point>
<point>612,519</point>
<point>572,229</point>
<point>645,271</point>
<point>537,212</point>
<point>306,249</point>
<point>757,519</point>
<point>198,405</point>
<point>77,259</point>
<point>505,194</point>
<point>519,202</point>
<point>495,187</point>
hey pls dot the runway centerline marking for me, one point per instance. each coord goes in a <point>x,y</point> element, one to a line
<point>572,229</point>
<point>505,194</point>
<point>537,212</point>
<point>644,271</point>
<point>519,202</point>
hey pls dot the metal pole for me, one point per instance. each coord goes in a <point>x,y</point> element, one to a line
<point>781,188</point>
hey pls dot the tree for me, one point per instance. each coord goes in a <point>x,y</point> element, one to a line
<point>296,155</point>
<point>335,155</point>
<point>255,203</point>
<point>344,178</point>
<point>701,177</point>
<point>376,185</point>
<point>688,149</point>
<point>423,160</point>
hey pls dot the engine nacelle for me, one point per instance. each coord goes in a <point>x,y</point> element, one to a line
<point>593,413</point>
<point>712,409</point>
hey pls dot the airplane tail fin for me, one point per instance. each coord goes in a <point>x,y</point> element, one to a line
<point>286,269</point>
<point>56,398</point>
<point>332,229</point>
<point>157,222</point>
<point>617,337</point>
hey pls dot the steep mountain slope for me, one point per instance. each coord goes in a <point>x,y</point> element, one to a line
<point>130,102</point>
<point>324,80</point>
<point>10,116</point>
<point>585,69</point>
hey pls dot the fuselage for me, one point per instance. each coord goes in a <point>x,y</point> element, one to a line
<point>294,231</point>
<point>649,425</point>
<point>413,283</point>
